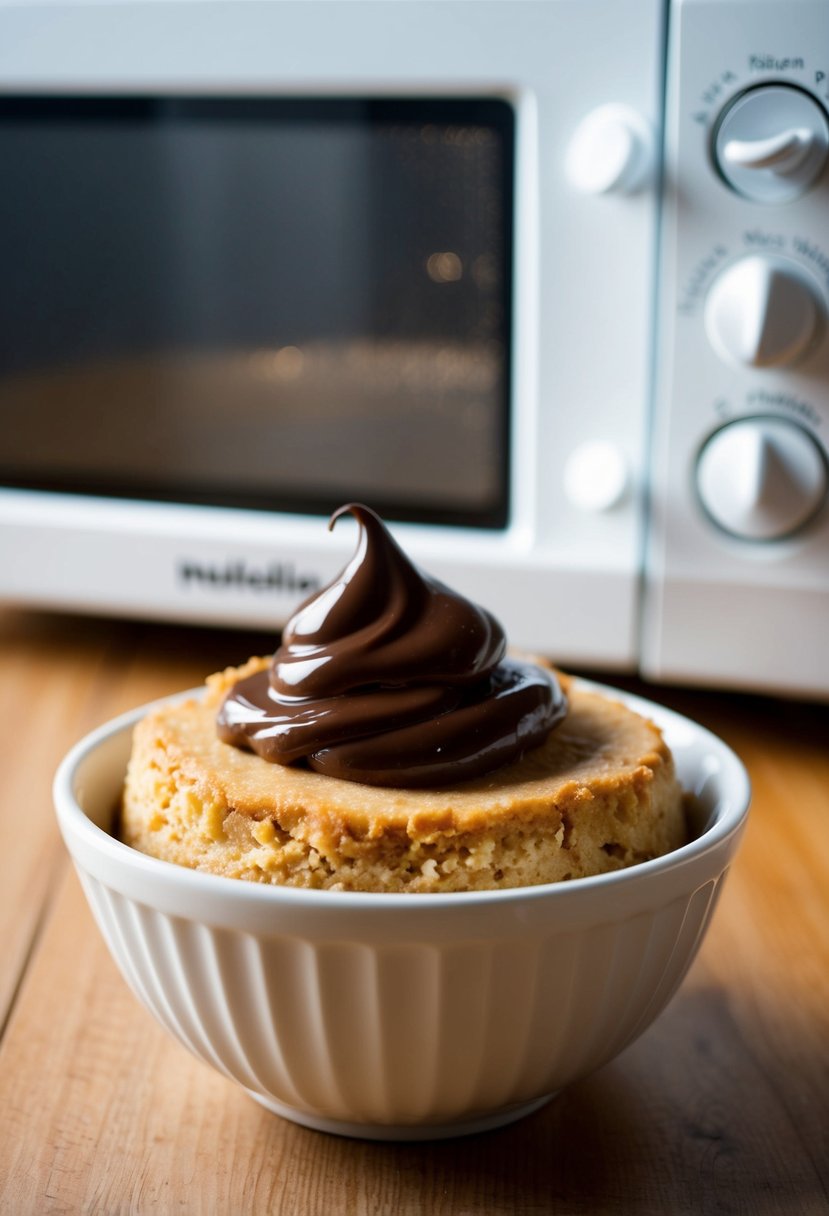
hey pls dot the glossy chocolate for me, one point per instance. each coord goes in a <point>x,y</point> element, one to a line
<point>387,677</point>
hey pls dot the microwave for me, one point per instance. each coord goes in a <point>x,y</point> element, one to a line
<point>545,283</point>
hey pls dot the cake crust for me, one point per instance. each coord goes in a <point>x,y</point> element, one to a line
<point>598,795</point>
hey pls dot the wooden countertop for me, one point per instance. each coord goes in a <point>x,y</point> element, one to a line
<point>722,1106</point>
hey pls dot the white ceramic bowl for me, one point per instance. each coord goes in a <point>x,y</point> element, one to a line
<point>403,1016</point>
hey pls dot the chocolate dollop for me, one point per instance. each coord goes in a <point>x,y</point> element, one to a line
<point>387,677</point>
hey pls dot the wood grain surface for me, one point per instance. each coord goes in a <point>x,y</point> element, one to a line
<point>721,1107</point>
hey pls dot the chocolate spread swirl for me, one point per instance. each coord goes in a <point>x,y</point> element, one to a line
<point>387,677</point>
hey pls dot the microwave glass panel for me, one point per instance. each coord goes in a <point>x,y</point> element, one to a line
<point>268,303</point>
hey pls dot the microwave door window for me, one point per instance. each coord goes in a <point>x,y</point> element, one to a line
<point>258,302</point>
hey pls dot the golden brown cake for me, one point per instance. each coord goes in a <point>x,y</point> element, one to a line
<point>599,794</point>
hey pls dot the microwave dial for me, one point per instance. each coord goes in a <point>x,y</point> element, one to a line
<point>761,478</point>
<point>771,143</point>
<point>762,312</point>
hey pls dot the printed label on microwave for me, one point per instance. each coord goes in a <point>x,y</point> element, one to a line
<point>817,258</point>
<point>767,400</point>
<point>717,88</point>
<point>755,238</point>
<point>776,63</point>
<point>714,95</point>
<point>696,284</point>
<point>279,577</point>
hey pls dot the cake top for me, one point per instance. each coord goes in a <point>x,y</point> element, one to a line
<point>601,748</point>
<point>387,677</point>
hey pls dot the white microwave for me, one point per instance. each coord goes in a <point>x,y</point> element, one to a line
<point>544,282</point>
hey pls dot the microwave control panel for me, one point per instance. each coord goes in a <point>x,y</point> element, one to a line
<point>738,561</point>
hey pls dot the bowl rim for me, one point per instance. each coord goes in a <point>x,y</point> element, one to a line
<point>76,825</point>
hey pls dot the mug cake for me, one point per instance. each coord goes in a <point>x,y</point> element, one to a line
<point>392,744</point>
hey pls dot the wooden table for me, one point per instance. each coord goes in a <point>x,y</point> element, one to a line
<point>722,1106</point>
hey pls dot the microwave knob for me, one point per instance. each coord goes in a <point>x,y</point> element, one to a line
<point>771,143</point>
<point>610,152</point>
<point>761,312</point>
<point>761,478</point>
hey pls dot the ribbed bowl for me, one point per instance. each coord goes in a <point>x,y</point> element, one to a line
<point>403,1016</point>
